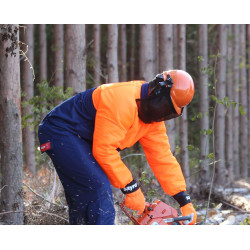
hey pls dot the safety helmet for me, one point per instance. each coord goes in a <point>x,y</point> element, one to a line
<point>182,90</point>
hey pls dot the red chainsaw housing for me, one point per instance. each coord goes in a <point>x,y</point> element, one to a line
<point>154,214</point>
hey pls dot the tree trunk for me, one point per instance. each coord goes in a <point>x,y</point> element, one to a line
<point>97,54</point>
<point>219,129</point>
<point>203,105</point>
<point>175,45</point>
<point>59,55</point>
<point>229,112</point>
<point>42,53</point>
<point>243,101</point>
<point>248,83</point>
<point>166,63</point>
<point>123,52</point>
<point>147,52</point>
<point>183,118</point>
<point>236,117</point>
<point>112,53</point>
<point>132,52</point>
<point>10,133</point>
<point>28,89</point>
<point>75,57</point>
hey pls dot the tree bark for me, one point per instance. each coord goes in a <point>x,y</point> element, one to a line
<point>112,53</point>
<point>229,111</point>
<point>132,52</point>
<point>243,101</point>
<point>166,63</point>
<point>59,55</point>
<point>183,118</point>
<point>248,83</point>
<point>10,134</point>
<point>147,52</point>
<point>203,105</point>
<point>97,54</point>
<point>219,129</point>
<point>28,89</point>
<point>75,57</point>
<point>123,52</point>
<point>42,53</point>
<point>236,117</point>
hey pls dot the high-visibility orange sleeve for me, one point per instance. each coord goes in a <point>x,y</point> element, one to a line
<point>115,115</point>
<point>161,160</point>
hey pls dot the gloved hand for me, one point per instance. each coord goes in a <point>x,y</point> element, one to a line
<point>134,197</point>
<point>187,210</point>
<point>135,201</point>
<point>186,206</point>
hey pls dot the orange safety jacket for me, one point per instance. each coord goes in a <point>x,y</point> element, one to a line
<point>117,126</point>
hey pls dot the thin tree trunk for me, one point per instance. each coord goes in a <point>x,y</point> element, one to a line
<point>28,89</point>
<point>112,53</point>
<point>10,134</point>
<point>97,54</point>
<point>75,57</point>
<point>248,83</point>
<point>220,176</point>
<point>183,118</point>
<point>229,113</point>
<point>175,45</point>
<point>42,53</point>
<point>123,52</point>
<point>243,101</point>
<point>147,52</point>
<point>236,117</point>
<point>59,55</point>
<point>166,63</point>
<point>203,105</point>
<point>132,52</point>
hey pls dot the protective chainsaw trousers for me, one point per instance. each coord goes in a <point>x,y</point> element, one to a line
<point>87,189</point>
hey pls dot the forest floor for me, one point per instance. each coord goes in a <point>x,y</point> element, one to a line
<point>45,204</point>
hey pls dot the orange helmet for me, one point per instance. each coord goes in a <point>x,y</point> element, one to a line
<point>182,90</point>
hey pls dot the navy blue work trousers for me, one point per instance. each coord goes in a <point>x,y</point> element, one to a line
<point>87,189</point>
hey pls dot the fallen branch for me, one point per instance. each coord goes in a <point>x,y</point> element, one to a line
<point>56,216</point>
<point>40,196</point>
<point>9,212</point>
<point>230,205</point>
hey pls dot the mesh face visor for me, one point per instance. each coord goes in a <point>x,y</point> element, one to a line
<point>157,107</point>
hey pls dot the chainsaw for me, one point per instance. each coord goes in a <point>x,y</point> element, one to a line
<point>156,213</point>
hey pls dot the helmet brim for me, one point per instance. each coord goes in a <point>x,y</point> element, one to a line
<point>177,109</point>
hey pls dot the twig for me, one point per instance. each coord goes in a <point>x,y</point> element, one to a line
<point>133,155</point>
<point>212,179</point>
<point>193,173</point>
<point>9,212</point>
<point>3,188</point>
<point>230,205</point>
<point>56,216</point>
<point>41,196</point>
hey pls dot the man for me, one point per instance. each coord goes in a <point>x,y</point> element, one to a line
<point>84,134</point>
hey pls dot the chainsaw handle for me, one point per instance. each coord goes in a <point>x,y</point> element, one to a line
<point>188,217</point>
<point>176,219</point>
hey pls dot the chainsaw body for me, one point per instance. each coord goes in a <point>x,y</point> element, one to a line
<point>156,213</point>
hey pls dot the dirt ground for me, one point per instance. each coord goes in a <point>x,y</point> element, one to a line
<point>45,204</point>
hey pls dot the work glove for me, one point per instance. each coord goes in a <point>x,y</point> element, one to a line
<point>186,207</point>
<point>134,197</point>
<point>187,210</point>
